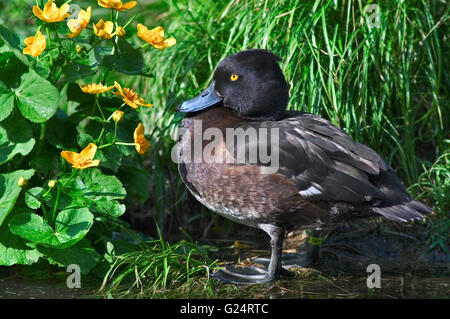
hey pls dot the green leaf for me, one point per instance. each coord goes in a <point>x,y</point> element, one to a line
<point>11,70</point>
<point>71,226</point>
<point>61,133</point>
<point>6,102</point>
<point>37,98</point>
<point>32,227</point>
<point>9,190</point>
<point>14,251</point>
<point>46,162</point>
<point>5,52</point>
<point>127,60</point>
<point>32,197</point>
<point>84,139</point>
<point>75,71</point>
<point>93,184</point>
<point>110,157</point>
<point>13,41</point>
<point>135,181</point>
<point>16,137</point>
<point>96,190</point>
<point>82,254</point>
<point>108,207</point>
<point>99,53</point>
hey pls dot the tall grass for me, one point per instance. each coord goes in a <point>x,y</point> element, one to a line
<point>387,86</point>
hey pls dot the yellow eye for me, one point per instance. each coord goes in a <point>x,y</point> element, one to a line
<point>234,77</point>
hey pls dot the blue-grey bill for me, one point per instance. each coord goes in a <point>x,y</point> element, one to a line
<point>205,99</point>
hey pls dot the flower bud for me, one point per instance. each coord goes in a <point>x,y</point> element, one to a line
<point>51,184</point>
<point>117,116</point>
<point>22,182</point>
<point>80,48</point>
<point>120,32</point>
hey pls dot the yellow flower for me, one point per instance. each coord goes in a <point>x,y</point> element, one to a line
<point>140,142</point>
<point>120,32</point>
<point>155,37</point>
<point>83,159</point>
<point>129,96</point>
<point>95,88</point>
<point>77,25</point>
<point>116,4</point>
<point>35,45</point>
<point>51,12</point>
<point>104,29</point>
<point>117,116</point>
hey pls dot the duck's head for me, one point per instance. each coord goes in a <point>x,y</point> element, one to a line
<point>250,83</point>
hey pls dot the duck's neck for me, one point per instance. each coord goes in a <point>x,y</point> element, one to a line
<point>219,117</point>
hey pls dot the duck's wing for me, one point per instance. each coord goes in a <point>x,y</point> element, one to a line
<point>326,164</point>
<point>320,159</point>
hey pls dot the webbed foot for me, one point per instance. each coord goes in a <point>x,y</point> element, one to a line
<point>256,275</point>
<point>242,276</point>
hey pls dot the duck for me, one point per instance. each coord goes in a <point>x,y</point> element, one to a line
<point>307,173</point>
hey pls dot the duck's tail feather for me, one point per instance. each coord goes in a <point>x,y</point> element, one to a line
<point>412,210</point>
<point>398,205</point>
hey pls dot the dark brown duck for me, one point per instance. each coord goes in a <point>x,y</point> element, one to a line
<point>321,177</point>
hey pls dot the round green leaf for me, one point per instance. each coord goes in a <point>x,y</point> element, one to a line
<point>75,71</point>
<point>9,190</point>
<point>32,227</point>
<point>14,251</point>
<point>128,60</point>
<point>13,41</point>
<point>16,137</point>
<point>32,197</point>
<point>71,226</point>
<point>82,254</point>
<point>93,184</point>
<point>6,102</point>
<point>37,98</point>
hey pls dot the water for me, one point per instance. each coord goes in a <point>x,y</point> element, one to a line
<point>408,270</point>
<point>50,285</point>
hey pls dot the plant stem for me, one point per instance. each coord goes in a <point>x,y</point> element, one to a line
<point>49,40</point>
<point>115,132</point>
<point>110,117</point>
<point>41,138</point>
<point>55,208</point>
<point>41,200</point>
<point>59,41</point>
<point>123,143</point>
<point>114,138</point>
<point>105,75</point>
<point>45,211</point>
<point>99,107</point>
<point>58,193</point>
<point>129,21</point>
<point>101,135</point>
<point>74,171</point>
<point>104,124</point>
